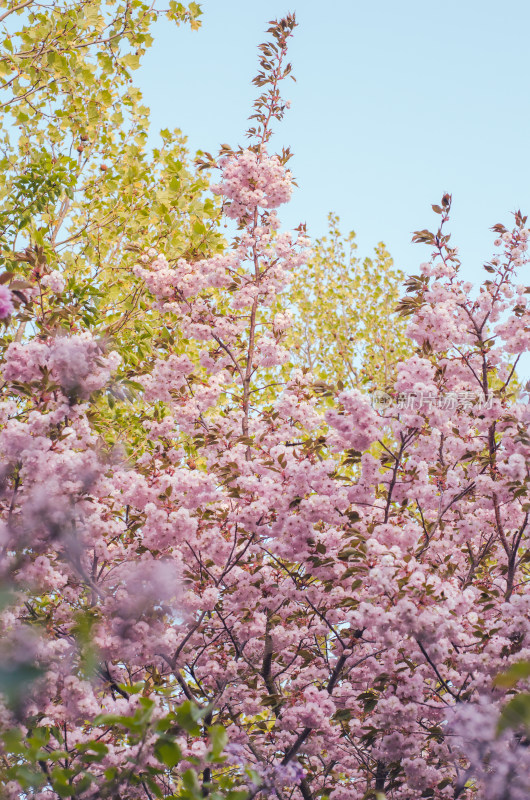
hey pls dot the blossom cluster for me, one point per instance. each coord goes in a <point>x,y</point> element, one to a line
<point>252,180</point>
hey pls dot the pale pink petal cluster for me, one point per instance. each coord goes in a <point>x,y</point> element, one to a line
<point>253,180</point>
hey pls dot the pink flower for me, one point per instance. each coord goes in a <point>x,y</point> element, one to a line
<point>54,281</point>
<point>6,302</point>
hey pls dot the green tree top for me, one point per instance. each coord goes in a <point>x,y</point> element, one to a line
<point>344,326</point>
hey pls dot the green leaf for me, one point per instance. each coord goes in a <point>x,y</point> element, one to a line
<point>218,740</point>
<point>188,715</point>
<point>131,61</point>
<point>515,673</point>
<point>516,713</point>
<point>14,683</point>
<point>96,747</point>
<point>168,752</point>
<point>190,781</point>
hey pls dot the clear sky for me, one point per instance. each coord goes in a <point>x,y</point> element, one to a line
<point>395,103</point>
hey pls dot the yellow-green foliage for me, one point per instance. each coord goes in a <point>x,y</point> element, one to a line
<point>80,191</point>
<point>345,328</point>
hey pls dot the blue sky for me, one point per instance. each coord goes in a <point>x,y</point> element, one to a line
<point>395,103</point>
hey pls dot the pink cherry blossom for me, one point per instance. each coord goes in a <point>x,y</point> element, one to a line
<point>6,302</point>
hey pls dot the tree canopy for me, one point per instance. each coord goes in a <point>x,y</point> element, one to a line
<point>237,560</point>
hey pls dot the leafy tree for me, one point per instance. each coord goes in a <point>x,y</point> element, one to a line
<point>80,194</point>
<point>344,328</point>
<point>79,189</point>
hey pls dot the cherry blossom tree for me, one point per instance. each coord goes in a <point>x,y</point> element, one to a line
<point>341,592</point>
